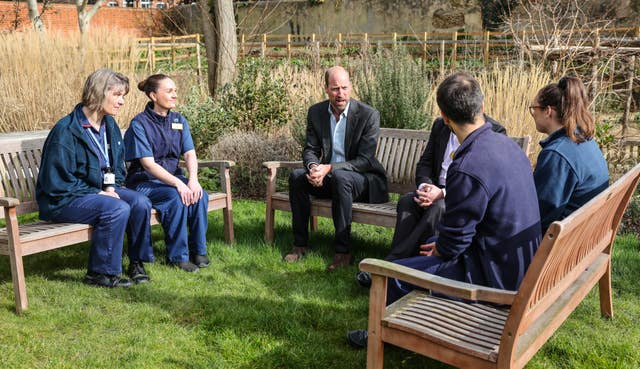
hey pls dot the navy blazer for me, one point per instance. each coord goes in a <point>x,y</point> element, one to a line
<point>430,163</point>
<point>361,140</point>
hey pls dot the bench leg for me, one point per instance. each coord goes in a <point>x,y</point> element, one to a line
<point>269,220</point>
<point>604,287</point>
<point>313,222</point>
<point>227,215</point>
<point>377,308</point>
<point>17,275</point>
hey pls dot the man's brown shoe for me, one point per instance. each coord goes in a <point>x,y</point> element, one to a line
<point>296,254</point>
<point>339,261</point>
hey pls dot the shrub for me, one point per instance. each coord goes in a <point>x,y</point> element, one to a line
<point>249,150</point>
<point>398,86</point>
<point>256,101</point>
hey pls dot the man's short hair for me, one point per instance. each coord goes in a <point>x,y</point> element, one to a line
<point>460,98</point>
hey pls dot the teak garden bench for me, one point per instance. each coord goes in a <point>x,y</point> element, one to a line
<point>575,255</point>
<point>19,167</point>
<point>398,151</point>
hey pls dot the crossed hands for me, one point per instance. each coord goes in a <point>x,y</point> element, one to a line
<point>317,172</point>
<point>191,192</point>
<point>427,194</point>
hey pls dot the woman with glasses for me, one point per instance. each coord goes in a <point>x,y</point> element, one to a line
<point>81,181</point>
<point>570,169</point>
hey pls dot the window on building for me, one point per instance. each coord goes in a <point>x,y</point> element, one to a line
<point>145,4</point>
<point>112,4</point>
<point>127,3</point>
<point>161,5</point>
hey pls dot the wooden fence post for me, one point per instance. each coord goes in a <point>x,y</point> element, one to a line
<point>198,60</point>
<point>442,51</point>
<point>627,108</point>
<point>395,40</point>
<point>486,48</point>
<point>173,51</point>
<point>594,66</point>
<point>243,51</point>
<point>263,46</point>
<point>289,46</point>
<point>424,46</point>
<point>151,55</point>
<point>454,50</point>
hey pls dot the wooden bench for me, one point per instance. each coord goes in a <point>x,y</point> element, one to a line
<point>399,150</point>
<point>575,255</point>
<point>19,167</point>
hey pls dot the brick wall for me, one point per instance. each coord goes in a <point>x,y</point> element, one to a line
<point>64,17</point>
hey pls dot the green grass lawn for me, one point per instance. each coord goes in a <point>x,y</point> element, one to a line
<point>250,310</point>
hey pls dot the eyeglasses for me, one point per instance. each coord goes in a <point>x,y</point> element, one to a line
<point>532,107</point>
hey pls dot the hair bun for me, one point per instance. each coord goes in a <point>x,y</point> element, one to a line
<point>562,83</point>
<point>142,85</point>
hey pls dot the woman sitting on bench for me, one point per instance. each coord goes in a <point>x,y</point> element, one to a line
<point>570,169</point>
<point>81,178</point>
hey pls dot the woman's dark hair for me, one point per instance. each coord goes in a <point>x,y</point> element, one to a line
<point>151,84</point>
<point>569,98</point>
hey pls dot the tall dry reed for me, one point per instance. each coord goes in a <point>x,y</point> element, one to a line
<point>508,92</point>
<point>41,76</point>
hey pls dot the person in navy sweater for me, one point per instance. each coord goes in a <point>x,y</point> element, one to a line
<point>154,143</point>
<point>490,229</point>
<point>570,169</point>
<point>81,181</point>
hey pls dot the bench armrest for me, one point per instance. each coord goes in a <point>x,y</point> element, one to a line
<point>435,283</point>
<point>9,202</point>
<point>221,164</point>
<point>282,164</point>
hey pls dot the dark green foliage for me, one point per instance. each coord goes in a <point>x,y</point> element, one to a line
<point>398,86</point>
<point>255,101</point>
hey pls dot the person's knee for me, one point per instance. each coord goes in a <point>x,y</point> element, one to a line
<point>296,177</point>
<point>341,179</point>
<point>407,203</point>
<point>140,203</point>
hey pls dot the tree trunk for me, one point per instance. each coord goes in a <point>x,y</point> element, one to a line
<point>85,15</point>
<point>34,15</point>
<point>220,42</point>
<point>228,41</point>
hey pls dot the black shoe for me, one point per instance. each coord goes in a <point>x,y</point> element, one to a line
<point>187,266</point>
<point>202,261</point>
<point>105,280</point>
<point>358,338</point>
<point>137,273</point>
<point>364,279</point>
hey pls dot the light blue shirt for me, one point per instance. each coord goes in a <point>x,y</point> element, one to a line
<point>338,129</point>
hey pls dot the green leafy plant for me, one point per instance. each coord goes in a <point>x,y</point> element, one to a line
<point>398,86</point>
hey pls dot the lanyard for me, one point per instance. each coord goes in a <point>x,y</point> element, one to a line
<point>103,150</point>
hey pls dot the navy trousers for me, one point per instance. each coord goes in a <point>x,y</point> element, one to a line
<point>110,218</point>
<point>414,225</point>
<point>343,187</point>
<point>185,227</point>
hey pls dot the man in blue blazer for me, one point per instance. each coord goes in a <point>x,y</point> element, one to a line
<point>339,163</point>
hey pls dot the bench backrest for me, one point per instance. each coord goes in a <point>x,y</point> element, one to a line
<point>19,167</point>
<point>580,243</point>
<point>399,150</point>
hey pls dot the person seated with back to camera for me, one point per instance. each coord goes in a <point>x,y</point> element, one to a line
<point>419,212</point>
<point>490,229</point>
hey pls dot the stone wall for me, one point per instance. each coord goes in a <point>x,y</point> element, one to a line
<point>359,16</point>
